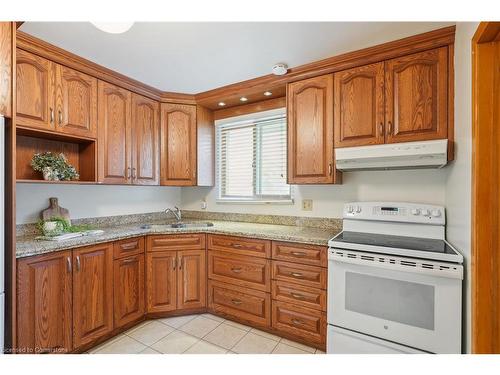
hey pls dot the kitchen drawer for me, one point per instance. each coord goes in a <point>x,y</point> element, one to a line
<point>301,274</point>
<point>306,324</point>
<point>128,247</point>
<point>194,241</point>
<point>240,270</point>
<point>240,245</point>
<point>244,304</point>
<point>300,253</point>
<point>313,298</point>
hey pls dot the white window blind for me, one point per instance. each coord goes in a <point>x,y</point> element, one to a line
<point>252,159</point>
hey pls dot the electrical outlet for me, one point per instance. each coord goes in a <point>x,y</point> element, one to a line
<point>203,205</point>
<point>307,204</point>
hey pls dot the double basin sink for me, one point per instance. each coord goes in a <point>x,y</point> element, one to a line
<point>177,225</point>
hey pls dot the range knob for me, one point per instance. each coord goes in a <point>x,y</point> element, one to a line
<point>436,213</point>
<point>358,209</point>
<point>350,209</point>
<point>415,211</point>
<point>425,212</point>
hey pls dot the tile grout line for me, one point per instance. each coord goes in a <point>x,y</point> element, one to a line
<point>201,339</point>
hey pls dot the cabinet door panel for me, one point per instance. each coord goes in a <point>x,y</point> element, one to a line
<point>417,96</point>
<point>114,134</point>
<point>310,131</point>
<point>161,281</point>
<point>145,141</point>
<point>76,103</point>
<point>34,91</point>
<point>92,293</point>
<point>128,289</point>
<point>178,144</point>
<point>359,106</point>
<point>192,279</point>
<point>6,52</point>
<point>44,297</point>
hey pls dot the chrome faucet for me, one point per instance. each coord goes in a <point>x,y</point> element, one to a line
<point>176,212</point>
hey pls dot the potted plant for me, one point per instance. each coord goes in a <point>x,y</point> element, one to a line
<point>54,167</point>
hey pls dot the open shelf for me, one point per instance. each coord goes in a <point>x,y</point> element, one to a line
<point>80,153</point>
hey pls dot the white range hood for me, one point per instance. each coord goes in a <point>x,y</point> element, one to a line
<point>408,155</point>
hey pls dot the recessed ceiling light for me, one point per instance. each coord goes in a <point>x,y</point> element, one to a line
<point>280,69</point>
<point>268,93</point>
<point>222,104</point>
<point>113,27</point>
<point>243,99</point>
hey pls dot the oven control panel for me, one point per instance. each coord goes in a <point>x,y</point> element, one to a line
<point>395,211</point>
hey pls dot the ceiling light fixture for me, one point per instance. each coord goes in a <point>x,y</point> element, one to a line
<point>243,99</point>
<point>222,104</point>
<point>280,69</point>
<point>268,93</point>
<point>113,27</point>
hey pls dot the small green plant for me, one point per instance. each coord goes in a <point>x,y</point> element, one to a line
<point>54,167</point>
<point>61,226</point>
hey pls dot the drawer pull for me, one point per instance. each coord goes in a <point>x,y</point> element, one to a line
<point>237,245</point>
<point>297,322</point>
<point>236,301</point>
<point>298,275</point>
<point>236,269</point>
<point>297,296</point>
<point>299,253</point>
<point>129,246</point>
<point>129,260</point>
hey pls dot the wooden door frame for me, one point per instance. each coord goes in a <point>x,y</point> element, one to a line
<point>485,195</point>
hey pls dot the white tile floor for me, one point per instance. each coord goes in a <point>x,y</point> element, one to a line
<point>198,334</point>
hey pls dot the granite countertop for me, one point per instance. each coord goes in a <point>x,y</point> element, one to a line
<point>27,245</point>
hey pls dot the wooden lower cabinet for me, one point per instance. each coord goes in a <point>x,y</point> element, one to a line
<point>44,298</point>
<point>128,296</point>
<point>191,279</point>
<point>245,304</point>
<point>92,293</point>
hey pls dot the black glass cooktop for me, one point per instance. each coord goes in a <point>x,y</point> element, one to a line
<point>400,242</point>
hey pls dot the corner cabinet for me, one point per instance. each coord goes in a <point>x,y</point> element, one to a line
<point>178,144</point>
<point>310,131</point>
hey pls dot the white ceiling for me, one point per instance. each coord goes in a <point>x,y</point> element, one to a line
<point>195,57</point>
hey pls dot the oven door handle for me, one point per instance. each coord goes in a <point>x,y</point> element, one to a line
<point>453,271</point>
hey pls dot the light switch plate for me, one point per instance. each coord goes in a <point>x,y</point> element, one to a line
<point>307,204</point>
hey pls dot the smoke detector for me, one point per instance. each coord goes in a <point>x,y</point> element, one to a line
<point>280,69</point>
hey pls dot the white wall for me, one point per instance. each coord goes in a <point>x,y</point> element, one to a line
<point>458,184</point>
<point>93,200</point>
<point>425,186</point>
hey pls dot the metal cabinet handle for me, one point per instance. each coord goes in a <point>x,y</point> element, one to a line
<point>296,274</point>
<point>129,246</point>
<point>60,117</point>
<point>236,269</point>
<point>381,128</point>
<point>297,296</point>
<point>174,261</point>
<point>389,131</point>
<point>299,253</point>
<point>133,174</point>
<point>128,260</point>
<point>330,169</point>
<point>128,173</point>
<point>68,264</point>
<point>51,115</point>
<point>180,263</point>
<point>297,321</point>
<point>78,263</point>
<point>236,301</point>
<point>237,245</point>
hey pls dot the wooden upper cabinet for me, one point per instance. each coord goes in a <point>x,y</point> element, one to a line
<point>44,297</point>
<point>178,144</point>
<point>114,151</point>
<point>359,106</point>
<point>310,131</point>
<point>92,293</point>
<point>192,279</point>
<point>145,141</point>
<point>76,103</point>
<point>6,52</point>
<point>35,91</point>
<point>416,89</point>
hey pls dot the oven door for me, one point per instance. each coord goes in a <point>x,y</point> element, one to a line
<point>412,302</point>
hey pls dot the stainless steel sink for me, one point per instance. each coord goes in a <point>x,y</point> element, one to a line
<point>177,225</point>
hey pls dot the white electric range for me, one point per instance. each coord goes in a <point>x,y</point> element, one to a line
<point>394,282</point>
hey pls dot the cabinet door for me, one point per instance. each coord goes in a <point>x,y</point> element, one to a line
<point>191,279</point>
<point>310,131</point>
<point>114,134</point>
<point>178,144</point>
<point>6,29</point>
<point>92,293</point>
<point>76,103</point>
<point>359,106</point>
<point>44,297</point>
<point>145,141</point>
<point>161,281</point>
<point>128,289</point>
<point>34,91</point>
<point>417,96</point>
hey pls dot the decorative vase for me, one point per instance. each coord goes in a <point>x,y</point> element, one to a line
<point>49,174</point>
